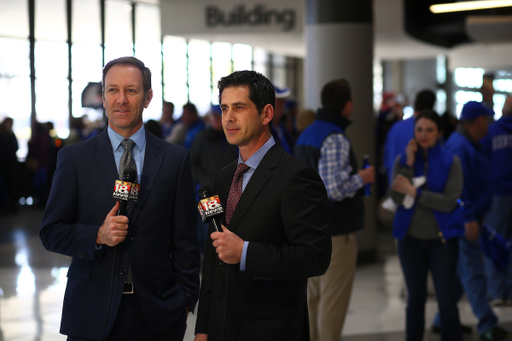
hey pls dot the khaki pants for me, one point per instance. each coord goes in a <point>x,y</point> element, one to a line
<point>329,295</point>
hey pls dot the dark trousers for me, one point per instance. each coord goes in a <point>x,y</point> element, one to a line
<point>131,325</point>
<point>417,257</point>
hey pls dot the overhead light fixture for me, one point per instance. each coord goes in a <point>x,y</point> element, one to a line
<point>469,6</point>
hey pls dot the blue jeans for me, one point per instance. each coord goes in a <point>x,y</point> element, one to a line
<point>417,257</point>
<point>500,219</point>
<point>471,272</point>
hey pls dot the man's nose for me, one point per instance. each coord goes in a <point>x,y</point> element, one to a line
<point>121,98</point>
<point>227,116</point>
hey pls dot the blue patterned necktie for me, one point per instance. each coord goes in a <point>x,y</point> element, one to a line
<point>127,161</point>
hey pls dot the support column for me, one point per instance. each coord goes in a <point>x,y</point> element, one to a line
<point>339,44</point>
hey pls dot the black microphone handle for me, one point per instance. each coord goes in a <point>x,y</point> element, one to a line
<point>123,208</point>
<point>129,175</point>
<point>216,224</point>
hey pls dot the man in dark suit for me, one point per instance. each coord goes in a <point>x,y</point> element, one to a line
<point>132,277</point>
<point>255,272</point>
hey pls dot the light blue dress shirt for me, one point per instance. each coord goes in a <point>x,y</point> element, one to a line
<point>138,150</point>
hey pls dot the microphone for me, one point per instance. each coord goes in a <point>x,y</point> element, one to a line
<point>126,190</point>
<point>209,207</point>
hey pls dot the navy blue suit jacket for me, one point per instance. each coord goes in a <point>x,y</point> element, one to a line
<point>161,244</point>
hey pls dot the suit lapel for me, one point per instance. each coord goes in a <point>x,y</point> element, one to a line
<point>103,158</point>
<point>153,158</point>
<point>259,179</point>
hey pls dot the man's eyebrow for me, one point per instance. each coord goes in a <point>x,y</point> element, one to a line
<point>239,103</point>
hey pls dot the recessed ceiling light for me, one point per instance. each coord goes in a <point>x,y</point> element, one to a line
<point>469,6</point>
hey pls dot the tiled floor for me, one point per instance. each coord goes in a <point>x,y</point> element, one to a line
<point>32,283</point>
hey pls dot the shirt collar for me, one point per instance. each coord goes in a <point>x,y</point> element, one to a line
<point>256,158</point>
<point>115,138</point>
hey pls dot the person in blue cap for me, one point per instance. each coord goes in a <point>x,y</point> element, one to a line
<point>498,145</point>
<point>476,196</point>
<point>279,131</point>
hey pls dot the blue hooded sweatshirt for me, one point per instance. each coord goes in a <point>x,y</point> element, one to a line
<point>476,192</point>
<point>498,146</point>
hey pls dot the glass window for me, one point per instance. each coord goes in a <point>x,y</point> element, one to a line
<point>504,85</point>
<point>378,81</point>
<point>14,19</point>
<point>441,69</point>
<point>440,105</point>
<point>148,49</point>
<point>175,72</point>
<point>469,77</point>
<point>51,63</point>
<point>14,57</point>
<point>52,104</point>
<point>242,57</point>
<point>86,22</point>
<point>199,74</point>
<point>499,102</point>
<point>118,29</point>
<point>51,59</point>
<point>86,68</point>
<point>221,66</point>
<point>279,70</point>
<point>261,61</point>
<point>15,98</point>
<point>50,20</point>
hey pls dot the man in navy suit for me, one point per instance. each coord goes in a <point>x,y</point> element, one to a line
<point>132,277</point>
<point>255,272</point>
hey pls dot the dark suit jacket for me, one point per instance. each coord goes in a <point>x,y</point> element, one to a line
<point>161,245</point>
<point>282,214</point>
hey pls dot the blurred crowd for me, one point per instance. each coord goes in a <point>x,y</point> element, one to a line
<point>32,178</point>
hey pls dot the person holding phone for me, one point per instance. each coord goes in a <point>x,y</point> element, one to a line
<point>428,224</point>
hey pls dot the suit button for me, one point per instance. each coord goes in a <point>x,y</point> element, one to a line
<point>82,255</point>
<point>132,237</point>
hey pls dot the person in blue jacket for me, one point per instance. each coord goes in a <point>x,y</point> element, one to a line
<point>402,131</point>
<point>498,145</point>
<point>476,195</point>
<point>426,225</point>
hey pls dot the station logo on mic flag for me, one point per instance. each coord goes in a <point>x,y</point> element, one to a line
<point>209,208</point>
<point>126,191</point>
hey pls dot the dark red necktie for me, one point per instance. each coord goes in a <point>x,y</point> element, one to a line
<point>235,191</point>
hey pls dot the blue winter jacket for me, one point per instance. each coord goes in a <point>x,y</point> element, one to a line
<point>440,161</point>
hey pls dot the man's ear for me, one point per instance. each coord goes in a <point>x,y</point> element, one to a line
<point>268,113</point>
<point>347,109</point>
<point>149,97</point>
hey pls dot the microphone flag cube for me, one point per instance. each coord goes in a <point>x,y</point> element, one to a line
<point>209,208</point>
<point>126,191</point>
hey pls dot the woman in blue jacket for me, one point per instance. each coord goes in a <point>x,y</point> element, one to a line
<point>428,224</point>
